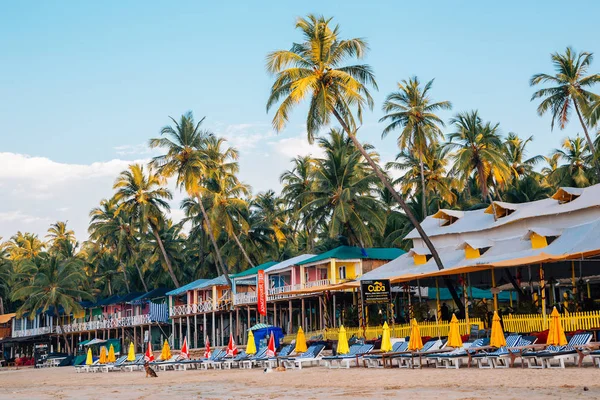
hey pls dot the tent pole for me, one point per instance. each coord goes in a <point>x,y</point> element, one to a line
<point>494,291</point>
<point>573,281</point>
<point>437,300</point>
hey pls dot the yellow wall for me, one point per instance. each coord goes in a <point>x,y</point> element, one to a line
<point>352,270</point>
<point>471,252</point>
<point>538,241</point>
<point>420,259</point>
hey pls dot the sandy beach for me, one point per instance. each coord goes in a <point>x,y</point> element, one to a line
<point>311,383</point>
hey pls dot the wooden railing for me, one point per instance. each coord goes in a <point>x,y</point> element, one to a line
<point>432,329</point>
<point>111,323</point>
<point>245,298</point>
<point>33,332</point>
<point>525,323</point>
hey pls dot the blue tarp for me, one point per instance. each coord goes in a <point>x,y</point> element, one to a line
<point>478,294</point>
<point>263,334</point>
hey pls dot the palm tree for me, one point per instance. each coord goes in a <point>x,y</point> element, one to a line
<point>477,149</point>
<point>515,152</point>
<point>412,110</point>
<point>268,219</point>
<point>144,198</point>
<point>185,144</point>
<point>568,90</point>
<point>438,181</point>
<point>314,69</point>
<point>576,170</point>
<point>24,246</point>
<point>58,233</point>
<point>112,228</point>
<point>56,285</point>
<point>342,196</point>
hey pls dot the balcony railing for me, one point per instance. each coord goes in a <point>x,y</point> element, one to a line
<point>320,282</point>
<point>33,332</point>
<point>112,323</point>
<point>186,309</point>
<point>245,298</point>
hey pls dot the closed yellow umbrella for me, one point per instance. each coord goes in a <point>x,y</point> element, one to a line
<point>102,355</point>
<point>386,340</point>
<point>300,341</point>
<point>89,360</point>
<point>415,342</point>
<point>165,353</point>
<point>111,354</point>
<point>342,347</point>
<point>251,346</point>
<point>131,354</point>
<point>556,333</point>
<point>497,338</point>
<point>454,339</point>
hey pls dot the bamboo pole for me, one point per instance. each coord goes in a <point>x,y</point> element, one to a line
<point>494,291</point>
<point>543,292</point>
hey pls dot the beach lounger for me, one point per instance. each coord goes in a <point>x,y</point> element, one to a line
<point>344,360</point>
<point>271,362</point>
<point>455,358</point>
<point>506,358</point>
<point>135,365</point>
<point>116,366</point>
<point>595,355</point>
<point>251,361</point>
<point>166,364</point>
<point>412,359</point>
<point>312,355</point>
<point>376,360</point>
<point>483,356</point>
<point>86,368</point>
<point>544,358</point>
<point>228,362</point>
<point>214,361</point>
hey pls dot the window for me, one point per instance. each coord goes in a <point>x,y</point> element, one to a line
<point>342,271</point>
<point>448,217</point>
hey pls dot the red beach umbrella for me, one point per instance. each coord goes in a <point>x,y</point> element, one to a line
<point>231,348</point>
<point>207,352</point>
<point>271,346</point>
<point>185,352</point>
<point>149,356</point>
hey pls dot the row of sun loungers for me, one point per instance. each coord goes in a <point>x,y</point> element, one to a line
<point>434,353</point>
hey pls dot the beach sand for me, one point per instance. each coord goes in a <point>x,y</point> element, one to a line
<point>309,383</point>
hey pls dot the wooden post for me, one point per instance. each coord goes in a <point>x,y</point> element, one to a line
<point>437,301</point>
<point>237,325</point>
<point>214,329</point>
<point>187,330</point>
<point>274,314</point>
<point>196,330</point>
<point>290,322</point>
<point>466,301</point>
<point>573,281</point>
<point>333,312</point>
<point>249,318</point>
<point>204,327</point>
<point>134,339</point>
<point>543,293</point>
<point>231,323</point>
<point>222,331</point>
<point>180,332</point>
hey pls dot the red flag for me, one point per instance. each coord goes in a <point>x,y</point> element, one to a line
<point>149,356</point>
<point>271,347</point>
<point>207,352</point>
<point>185,352</point>
<point>231,348</point>
<point>261,293</point>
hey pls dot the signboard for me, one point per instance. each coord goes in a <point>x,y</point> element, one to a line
<point>261,293</point>
<point>376,291</point>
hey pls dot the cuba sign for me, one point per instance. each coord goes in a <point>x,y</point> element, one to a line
<point>376,291</point>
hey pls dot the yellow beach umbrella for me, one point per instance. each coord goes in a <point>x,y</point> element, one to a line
<point>131,354</point>
<point>300,341</point>
<point>111,354</point>
<point>497,337</point>
<point>89,360</point>
<point>342,347</point>
<point>415,342</point>
<point>102,355</point>
<point>251,346</point>
<point>386,341</point>
<point>165,353</point>
<point>556,333</point>
<point>454,339</point>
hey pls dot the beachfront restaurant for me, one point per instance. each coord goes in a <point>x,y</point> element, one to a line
<point>529,257</point>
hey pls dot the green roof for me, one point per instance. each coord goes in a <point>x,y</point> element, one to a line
<point>254,270</point>
<point>350,253</point>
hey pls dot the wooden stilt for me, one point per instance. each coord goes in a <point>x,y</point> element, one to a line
<point>303,316</point>
<point>290,322</point>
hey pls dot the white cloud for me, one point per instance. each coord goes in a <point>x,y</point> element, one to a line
<point>297,146</point>
<point>17,215</point>
<point>245,137</point>
<point>133,149</point>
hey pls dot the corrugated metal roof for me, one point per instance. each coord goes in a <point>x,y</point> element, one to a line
<point>185,288</point>
<point>349,253</point>
<point>287,263</point>
<point>254,270</point>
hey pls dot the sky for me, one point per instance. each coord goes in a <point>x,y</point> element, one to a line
<point>85,85</point>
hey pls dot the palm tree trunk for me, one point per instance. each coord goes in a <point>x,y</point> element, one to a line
<point>141,277</point>
<point>589,140</point>
<point>424,196</point>
<point>404,207</point>
<point>165,256</point>
<point>237,240</point>
<point>224,269</point>
<point>1,305</point>
<point>125,277</point>
<point>109,288</point>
